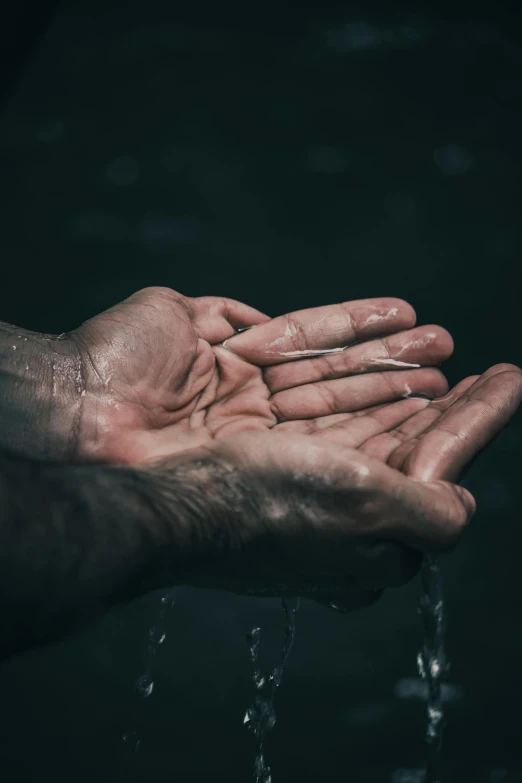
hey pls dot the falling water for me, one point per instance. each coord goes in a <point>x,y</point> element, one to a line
<point>145,682</point>
<point>261,717</point>
<point>432,664</point>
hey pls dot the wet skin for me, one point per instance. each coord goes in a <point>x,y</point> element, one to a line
<point>334,473</point>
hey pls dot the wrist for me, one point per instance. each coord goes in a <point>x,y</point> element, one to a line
<point>76,540</point>
<point>40,394</point>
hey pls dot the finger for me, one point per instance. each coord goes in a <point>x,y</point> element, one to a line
<point>383,445</point>
<point>465,428</point>
<point>322,329</point>
<point>218,317</point>
<point>353,497</point>
<point>350,394</point>
<point>353,429</point>
<point>425,345</point>
<point>391,507</point>
<point>427,516</point>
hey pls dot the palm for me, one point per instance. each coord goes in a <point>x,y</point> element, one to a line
<point>153,382</point>
<point>166,373</point>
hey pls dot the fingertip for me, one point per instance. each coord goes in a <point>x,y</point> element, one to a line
<point>434,382</point>
<point>442,339</point>
<point>446,509</point>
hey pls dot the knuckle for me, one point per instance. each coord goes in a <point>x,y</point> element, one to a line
<point>346,308</point>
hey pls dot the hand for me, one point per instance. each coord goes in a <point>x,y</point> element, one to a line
<point>256,512</point>
<point>163,373</point>
<point>427,441</point>
<point>286,514</point>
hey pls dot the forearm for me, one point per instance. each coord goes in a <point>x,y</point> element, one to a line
<point>41,388</point>
<point>76,540</point>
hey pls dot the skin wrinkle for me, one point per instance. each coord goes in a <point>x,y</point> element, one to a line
<point>353,326</point>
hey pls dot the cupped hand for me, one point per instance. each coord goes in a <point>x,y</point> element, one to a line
<point>163,373</point>
<point>396,502</point>
<point>290,514</point>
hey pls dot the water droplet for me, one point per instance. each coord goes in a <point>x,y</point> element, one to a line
<point>168,600</point>
<point>338,607</point>
<point>132,741</point>
<point>145,685</point>
<point>157,635</point>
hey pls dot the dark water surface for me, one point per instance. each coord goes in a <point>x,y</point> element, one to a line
<point>287,155</point>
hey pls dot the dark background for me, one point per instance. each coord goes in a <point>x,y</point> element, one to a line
<point>288,155</point>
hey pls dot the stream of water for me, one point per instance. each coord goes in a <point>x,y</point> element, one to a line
<point>432,663</point>
<point>145,682</point>
<point>260,717</point>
